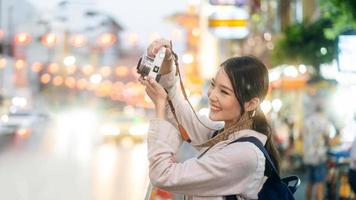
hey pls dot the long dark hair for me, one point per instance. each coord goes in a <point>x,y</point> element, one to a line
<point>249,78</point>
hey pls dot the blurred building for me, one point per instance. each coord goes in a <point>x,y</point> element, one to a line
<point>86,31</point>
<point>16,27</point>
<point>240,27</point>
<point>15,16</point>
<point>40,49</point>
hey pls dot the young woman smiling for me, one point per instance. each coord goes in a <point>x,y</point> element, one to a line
<point>221,169</point>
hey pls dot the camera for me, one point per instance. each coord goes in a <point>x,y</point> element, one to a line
<point>148,66</point>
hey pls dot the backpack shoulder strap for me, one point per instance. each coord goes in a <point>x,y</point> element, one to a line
<point>259,144</point>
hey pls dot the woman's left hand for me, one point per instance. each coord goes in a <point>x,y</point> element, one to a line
<point>156,93</point>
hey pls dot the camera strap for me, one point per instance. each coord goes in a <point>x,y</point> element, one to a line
<point>182,131</point>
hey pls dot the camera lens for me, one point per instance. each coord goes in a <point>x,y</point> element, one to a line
<point>138,65</point>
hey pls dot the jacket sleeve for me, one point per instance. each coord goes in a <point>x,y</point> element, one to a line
<point>196,131</point>
<point>225,172</point>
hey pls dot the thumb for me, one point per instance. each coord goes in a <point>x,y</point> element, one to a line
<point>168,55</point>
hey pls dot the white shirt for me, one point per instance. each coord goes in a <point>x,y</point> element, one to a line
<point>316,128</point>
<point>225,169</point>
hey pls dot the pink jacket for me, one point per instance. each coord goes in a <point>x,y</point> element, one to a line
<point>224,169</point>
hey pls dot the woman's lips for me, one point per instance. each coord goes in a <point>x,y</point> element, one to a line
<point>214,108</point>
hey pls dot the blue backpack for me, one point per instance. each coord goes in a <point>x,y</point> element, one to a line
<point>275,188</point>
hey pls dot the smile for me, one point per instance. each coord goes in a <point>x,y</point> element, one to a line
<point>215,108</point>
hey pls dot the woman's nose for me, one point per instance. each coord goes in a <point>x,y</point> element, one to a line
<point>211,95</point>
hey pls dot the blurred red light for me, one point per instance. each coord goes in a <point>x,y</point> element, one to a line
<point>22,38</point>
<point>106,39</point>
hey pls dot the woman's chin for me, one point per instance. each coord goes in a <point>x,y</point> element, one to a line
<point>213,117</point>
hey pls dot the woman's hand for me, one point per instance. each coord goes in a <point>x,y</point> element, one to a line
<point>155,46</point>
<point>157,94</point>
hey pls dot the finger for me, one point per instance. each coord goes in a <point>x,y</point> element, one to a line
<point>151,48</point>
<point>149,93</point>
<point>140,79</point>
<point>150,80</point>
<point>166,43</point>
<point>154,84</point>
<point>157,44</point>
<point>149,84</point>
<point>154,47</point>
<point>144,81</point>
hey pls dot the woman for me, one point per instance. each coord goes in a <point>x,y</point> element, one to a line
<point>222,169</point>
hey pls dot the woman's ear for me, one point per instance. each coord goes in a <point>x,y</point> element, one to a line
<point>252,104</point>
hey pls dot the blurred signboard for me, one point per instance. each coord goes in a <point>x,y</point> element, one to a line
<point>347,53</point>
<point>229,23</point>
<point>228,2</point>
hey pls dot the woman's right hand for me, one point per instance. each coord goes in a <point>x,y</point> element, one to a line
<point>156,93</point>
<point>155,46</point>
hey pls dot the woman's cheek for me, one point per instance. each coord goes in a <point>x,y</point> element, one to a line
<point>209,91</point>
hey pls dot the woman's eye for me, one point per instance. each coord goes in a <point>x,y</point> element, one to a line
<point>224,92</point>
<point>212,84</point>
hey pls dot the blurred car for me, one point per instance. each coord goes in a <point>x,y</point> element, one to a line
<point>121,128</point>
<point>21,123</point>
<point>5,129</point>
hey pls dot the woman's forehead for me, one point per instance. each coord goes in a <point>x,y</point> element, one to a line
<point>222,78</point>
<point>220,74</point>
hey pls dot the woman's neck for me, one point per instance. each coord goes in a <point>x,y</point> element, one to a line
<point>230,123</point>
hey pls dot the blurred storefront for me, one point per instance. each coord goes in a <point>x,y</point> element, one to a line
<point>71,48</point>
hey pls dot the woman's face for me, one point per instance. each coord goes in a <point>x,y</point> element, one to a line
<point>222,100</point>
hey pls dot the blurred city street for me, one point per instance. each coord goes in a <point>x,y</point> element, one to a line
<point>62,162</point>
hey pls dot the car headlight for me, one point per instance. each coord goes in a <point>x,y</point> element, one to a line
<point>23,132</point>
<point>19,101</point>
<point>4,118</point>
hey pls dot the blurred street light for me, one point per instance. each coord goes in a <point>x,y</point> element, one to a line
<point>276,105</point>
<point>58,80</point>
<point>69,60</point>
<point>78,40</point>
<point>49,40</point>
<point>22,38</point>
<point>121,71</point>
<point>20,64</point>
<point>2,62</point>
<point>266,106</point>
<point>88,69</point>
<point>188,58</point>
<point>96,78</point>
<point>105,71</point>
<point>2,34</point>
<point>106,40</point>
<point>37,66</point>
<point>132,39</point>
<point>53,68</point>
<point>302,69</point>
<point>45,78</point>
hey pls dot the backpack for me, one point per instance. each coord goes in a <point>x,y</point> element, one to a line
<point>275,188</point>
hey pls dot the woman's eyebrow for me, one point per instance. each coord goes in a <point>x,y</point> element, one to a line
<point>225,87</point>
